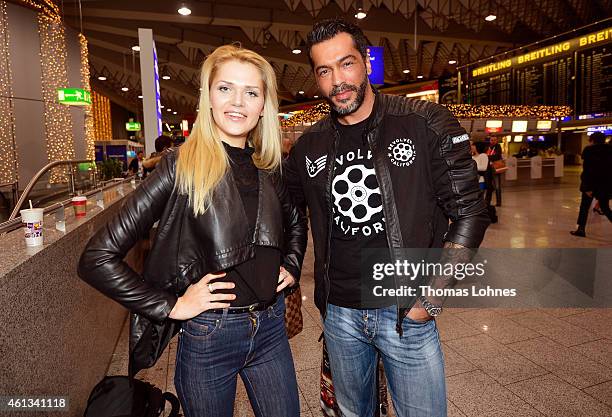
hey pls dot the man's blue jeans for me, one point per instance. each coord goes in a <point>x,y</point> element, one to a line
<point>413,363</point>
<point>215,348</point>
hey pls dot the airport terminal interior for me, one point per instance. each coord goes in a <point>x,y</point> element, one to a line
<point>92,91</point>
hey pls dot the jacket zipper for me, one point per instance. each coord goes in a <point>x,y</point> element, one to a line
<point>328,196</point>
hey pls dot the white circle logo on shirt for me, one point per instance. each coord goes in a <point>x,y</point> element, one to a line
<point>356,193</point>
<point>401,152</point>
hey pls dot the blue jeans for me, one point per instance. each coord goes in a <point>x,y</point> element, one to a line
<point>413,363</point>
<point>215,348</point>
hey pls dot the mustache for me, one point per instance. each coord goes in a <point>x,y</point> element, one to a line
<point>339,89</point>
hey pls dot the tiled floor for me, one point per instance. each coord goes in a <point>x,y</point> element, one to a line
<point>499,362</point>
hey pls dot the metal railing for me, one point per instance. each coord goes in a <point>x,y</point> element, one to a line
<point>47,168</point>
<point>15,223</point>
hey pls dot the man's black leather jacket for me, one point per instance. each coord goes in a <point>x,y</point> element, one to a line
<point>185,248</point>
<point>427,178</point>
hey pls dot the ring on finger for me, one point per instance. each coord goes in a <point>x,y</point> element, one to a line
<point>210,288</point>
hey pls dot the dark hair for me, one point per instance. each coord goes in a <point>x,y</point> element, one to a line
<point>162,142</point>
<point>481,147</point>
<point>326,29</point>
<point>598,138</point>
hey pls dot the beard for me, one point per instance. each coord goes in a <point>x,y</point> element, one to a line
<point>355,104</point>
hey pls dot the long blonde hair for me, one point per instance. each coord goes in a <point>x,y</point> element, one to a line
<point>202,160</point>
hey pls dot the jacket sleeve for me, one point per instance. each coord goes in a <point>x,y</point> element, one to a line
<point>101,264</point>
<point>455,181</point>
<point>295,227</point>
<point>586,178</point>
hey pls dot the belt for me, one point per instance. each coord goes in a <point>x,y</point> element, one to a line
<point>245,309</point>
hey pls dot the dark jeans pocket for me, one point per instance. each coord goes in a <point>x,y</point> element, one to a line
<point>201,328</point>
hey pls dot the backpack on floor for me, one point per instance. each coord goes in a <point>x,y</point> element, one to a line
<point>121,396</point>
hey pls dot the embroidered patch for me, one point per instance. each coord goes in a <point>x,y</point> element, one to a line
<point>402,152</point>
<point>459,139</point>
<point>314,167</point>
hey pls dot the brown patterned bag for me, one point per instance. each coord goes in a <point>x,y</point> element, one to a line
<point>294,321</point>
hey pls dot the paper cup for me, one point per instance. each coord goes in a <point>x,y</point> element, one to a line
<point>32,220</point>
<point>80,205</point>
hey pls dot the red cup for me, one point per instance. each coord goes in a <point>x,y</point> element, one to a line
<point>80,205</point>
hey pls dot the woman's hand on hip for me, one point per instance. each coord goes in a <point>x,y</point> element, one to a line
<point>285,279</point>
<point>201,296</point>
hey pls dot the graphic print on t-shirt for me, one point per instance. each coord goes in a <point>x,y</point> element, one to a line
<point>357,201</point>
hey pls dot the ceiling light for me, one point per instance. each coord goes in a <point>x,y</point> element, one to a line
<point>173,112</point>
<point>161,106</point>
<point>490,18</point>
<point>316,96</point>
<point>419,76</point>
<point>124,89</point>
<point>139,96</point>
<point>361,14</point>
<point>102,78</point>
<point>136,48</point>
<point>166,77</point>
<point>168,109</point>
<point>184,10</point>
<point>296,51</point>
<point>452,61</point>
<point>301,92</point>
<point>406,71</point>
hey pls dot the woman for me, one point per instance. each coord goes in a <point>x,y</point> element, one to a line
<point>220,244</point>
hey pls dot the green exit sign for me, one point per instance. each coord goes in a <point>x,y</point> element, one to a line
<point>132,127</point>
<point>74,96</point>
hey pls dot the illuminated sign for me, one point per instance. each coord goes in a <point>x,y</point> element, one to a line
<point>544,124</point>
<point>519,125</point>
<point>377,62</point>
<point>518,138</point>
<point>74,96</point>
<point>133,127</point>
<point>493,126</point>
<point>603,36</point>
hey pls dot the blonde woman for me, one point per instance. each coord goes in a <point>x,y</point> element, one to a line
<point>229,241</point>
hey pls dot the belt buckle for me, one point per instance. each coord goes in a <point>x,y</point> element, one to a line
<point>252,308</point>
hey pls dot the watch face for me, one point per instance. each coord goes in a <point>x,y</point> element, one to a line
<point>434,311</point>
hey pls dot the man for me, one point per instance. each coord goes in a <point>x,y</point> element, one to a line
<point>136,164</point>
<point>595,180</point>
<point>495,154</point>
<point>379,172</point>
<point>162,144</point>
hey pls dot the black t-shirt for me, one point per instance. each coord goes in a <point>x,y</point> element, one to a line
<point>255,279</point>
<point>358,219</point>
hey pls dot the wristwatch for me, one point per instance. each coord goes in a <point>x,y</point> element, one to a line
<point>431,309</point>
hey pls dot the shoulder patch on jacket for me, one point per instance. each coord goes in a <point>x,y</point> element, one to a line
<point>460,138</point>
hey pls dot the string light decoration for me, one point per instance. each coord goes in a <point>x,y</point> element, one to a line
<point>460,111</point>
<point>46,7</point>
<point>100,106</point>
<point>8,146</point>
<point>57,120</point>
<point>468,111</point>
<point>90,150</point>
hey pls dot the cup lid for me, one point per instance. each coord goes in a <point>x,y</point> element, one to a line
<point>79,198</point>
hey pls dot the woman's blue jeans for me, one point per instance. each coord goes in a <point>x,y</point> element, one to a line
<point>214,348</point>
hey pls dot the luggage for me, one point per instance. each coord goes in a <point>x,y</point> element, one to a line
<point>120,396</point>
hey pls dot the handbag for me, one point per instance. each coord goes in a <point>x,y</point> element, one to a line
<point>122,396</point>
<point>294,322</point>
<point>499,166</point>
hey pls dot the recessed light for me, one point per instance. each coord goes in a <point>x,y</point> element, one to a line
<point>301,92</point>
<point>124,89</point>
<point>184,10</point>
<point>406,71</point>
<point>139,96</point>
<point>173,112</point>
<point>490,18</point>
<point>161,106</point>
<point>168,109</point>
<point>296,51</point>
<point>166,77</point>
<point>136,48</point>
<point>102,78</point>
<point>419,76</point>
<point>361,14</point>
<point>316,96</point>
<point>452,62</point>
